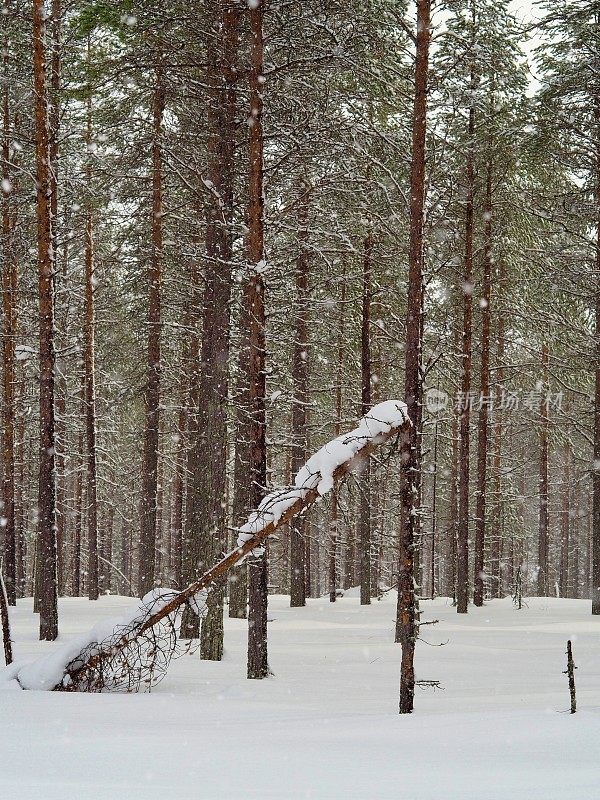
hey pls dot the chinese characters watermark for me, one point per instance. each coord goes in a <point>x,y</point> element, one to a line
<point>437,400</point>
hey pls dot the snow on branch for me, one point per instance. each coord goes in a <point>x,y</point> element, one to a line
<point>132,654</point>
<point>318,474</point>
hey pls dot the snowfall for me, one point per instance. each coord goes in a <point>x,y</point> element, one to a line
<point>325,725</point>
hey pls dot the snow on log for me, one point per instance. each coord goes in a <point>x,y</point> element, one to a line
<point>133,653</point>
<point>317,476</point>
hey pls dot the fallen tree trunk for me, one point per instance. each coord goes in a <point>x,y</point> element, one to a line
<point>88,670</point>
<point>232,558</point>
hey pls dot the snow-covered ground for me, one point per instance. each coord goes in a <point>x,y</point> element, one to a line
<point>326,724</point>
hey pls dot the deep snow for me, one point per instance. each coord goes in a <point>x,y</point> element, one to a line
<point>326,725</point>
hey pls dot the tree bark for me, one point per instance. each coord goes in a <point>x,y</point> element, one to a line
<point>462,576</point>
<point>300,401</point>
<point>178,491</point>
<point>453,489</point>
<point>364,509</point>
<point>496,534</point>
<point>242,490</point>
<point>148,510</point>
<point>60,382</point>
<point>78,520</point>
<point>565,522</point>
<point>89,370</point>
<point>406,625</point>
<point>334,520</point>
<point>595,576</point>
<point>542,577</point>
<point>9,304</point>
<point>254,300</point>
<point>483,418</point>
<point>190,624</point>
<point>47,477</point>
<point>212,418</point>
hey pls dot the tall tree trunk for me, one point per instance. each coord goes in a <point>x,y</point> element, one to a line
<point>89,371</point>
<point>595,548</point>
<point>364,519</point>
<point>206,499</point>
<point>60,388</point>
<point>9,298</point>
<point>453,506</point>
<point>242,489</point>
<point>177,491</point>
<point>212,419</point>
<point>577,544</point>
<point>334,520</point>
<point>106,551</point>
<point>406,624</point>
<point>78,520</point>
<point>21,544</point>
<point>542,578</point>
<point>565,522</point>
<point>47,476</point>
<point>254,303</point>
<point>434,482</point>
<point>147,561</point>
<point>300,401</point>
<point>453,488</point>
<point>462,576</point>
<point>482,423</point>
<point>190,624</point>
<point>496,534</point>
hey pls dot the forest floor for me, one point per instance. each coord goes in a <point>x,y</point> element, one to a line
<point>326,724</point>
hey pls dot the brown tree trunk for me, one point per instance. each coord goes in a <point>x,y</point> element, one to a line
<point>565,522</point>
<point>542,578</point>
<point>462,571</point>
<point>432,579</point>
<point>242,493</point>
<point>190,624</point>
<point>47,477</point>
<point>242,490</point>
<point>9,303</point>
<point>482,422</point>
<point>254,304</point>
<point>364,509</point>
<point>21,545</point>
<point>60,388</point>
<point>496,534</point>
<point>300,401</point>
<point>577,544</point>
<point>406,624</point>
<point>453,508</point>
<point>106,551</point>
<point>89,373</point>
<point>334,521</point>
<point>78,521</point>
<point>177,493</point>
<point>212,419</point>
<point>147,559</point>
<point>595,544</point>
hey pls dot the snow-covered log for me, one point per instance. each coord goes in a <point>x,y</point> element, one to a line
<point>88,667</point>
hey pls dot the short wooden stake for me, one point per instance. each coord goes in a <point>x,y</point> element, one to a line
<point>570,671</point>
